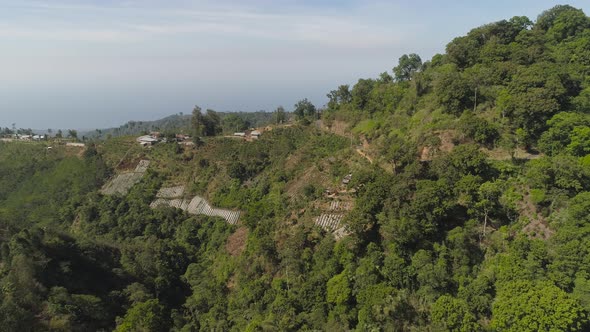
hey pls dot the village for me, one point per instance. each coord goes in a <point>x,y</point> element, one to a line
<point>154,138</point>
<point>70,141</point>
<point>250,135</point>
<point>146,140</point>
<point>27,138</point>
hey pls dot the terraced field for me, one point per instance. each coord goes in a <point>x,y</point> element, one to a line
<point>340,206</point>
<point>121,183</point>
<point>328,221</point>
<point>331,220</point>
<point>197,205</point>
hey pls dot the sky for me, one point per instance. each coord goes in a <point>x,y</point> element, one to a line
<point>99,63</point>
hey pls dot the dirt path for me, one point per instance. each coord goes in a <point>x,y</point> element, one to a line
<point>359,151</point>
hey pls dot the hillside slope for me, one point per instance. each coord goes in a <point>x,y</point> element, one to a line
<point>453,195</point>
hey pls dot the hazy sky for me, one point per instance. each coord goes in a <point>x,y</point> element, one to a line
<point>100,63</point>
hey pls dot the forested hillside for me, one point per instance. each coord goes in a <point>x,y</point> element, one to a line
<point>462,184</point>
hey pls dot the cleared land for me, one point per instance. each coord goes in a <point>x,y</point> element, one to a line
<point>174,192</point>
<point>331,220</point>
<point>121,183</point>
<point>328,221</point>
<point>197,205</point>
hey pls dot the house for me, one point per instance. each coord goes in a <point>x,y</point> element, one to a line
<point>255,134</point>
<point>78,145</point>
<point>26,137</point>
<point>182,137</point>
<point>38,137</point>
<point>147,140</point>
<point>240,134</point>
<point>347,179</point>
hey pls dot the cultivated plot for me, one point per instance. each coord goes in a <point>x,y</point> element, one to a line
<point>122,182</point>
<point>197,205</point>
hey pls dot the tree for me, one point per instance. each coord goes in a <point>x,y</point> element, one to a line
<point>280,115</point>
<point>400,151</point>
<point>205,125</point>
<point>14,317</point>
<point>384,77</point>
<point>233,123</point>
<point>489,194</point>
<point>361,93</point>
<point>582,289</point>
<point>197,122</point>
<point>144,316</point>
<point>339,96</point>
<point>559,134</point>
<point>73,134</point>
<point>568,24</point>
<point>535,94</point>
<point>464,159</point>
<point>431,272</point>
<point>59,134</point>
<point>212,123</point>
<point>379,308</point>
<point>453,90</point>
<point>304,108</point>
<point>452,314</point>
<point>478,129</point>
<point>407,66</point>
<point>525,305</point>
<point>463,51</point>
<point>339,291</point>
<point>549,18</point>
<point>580,141</point>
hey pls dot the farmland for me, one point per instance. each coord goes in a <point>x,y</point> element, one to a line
<point>172,197</point>
<point>122,182</point>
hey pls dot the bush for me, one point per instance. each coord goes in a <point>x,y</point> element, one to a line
<point>537,195</point>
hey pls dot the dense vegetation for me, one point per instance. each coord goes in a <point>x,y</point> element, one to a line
<point>471,207</point>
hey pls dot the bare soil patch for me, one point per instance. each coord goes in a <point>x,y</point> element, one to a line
<point>447,138</point>
<point>337,127</point>
<point>236,243</point>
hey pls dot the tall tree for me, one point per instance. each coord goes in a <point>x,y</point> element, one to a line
<point>361,93</point>
<point>197,122</point>
<point>280,115</point>
<point>72,133</point>
<point>304,108</point>
<point>407,66</point>
<point>212,123</point>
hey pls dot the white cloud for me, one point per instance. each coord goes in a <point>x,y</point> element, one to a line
<point>72,34</point>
